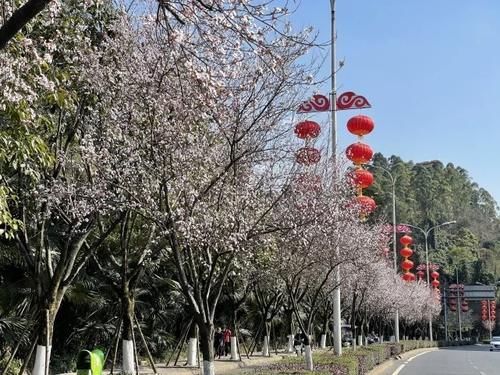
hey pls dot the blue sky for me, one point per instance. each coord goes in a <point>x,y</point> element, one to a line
<point>430,68</point>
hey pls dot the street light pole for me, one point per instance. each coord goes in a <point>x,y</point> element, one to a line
<point>459,308</point>
<point>445,301</point>
<point>337,322</point>
<point>426,234</point>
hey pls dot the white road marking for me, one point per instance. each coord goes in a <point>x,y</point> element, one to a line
<point>415,356</point>
<point>398,370</point>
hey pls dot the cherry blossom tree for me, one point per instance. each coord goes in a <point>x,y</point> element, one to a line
<point>197,140</point>
<point>62,214</point>
<point>320,220</point>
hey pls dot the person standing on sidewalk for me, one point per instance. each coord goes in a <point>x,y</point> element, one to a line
<point>227,341</point>
<point>219,343</point>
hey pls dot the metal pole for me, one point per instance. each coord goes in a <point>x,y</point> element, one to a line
<point>445,315</point>
<point>333,96</point>
<point>337,334</point>
<point>459,304</point>
<point>394,248</point>
<point>428,278</point>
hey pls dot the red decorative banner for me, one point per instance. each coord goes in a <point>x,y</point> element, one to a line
<point>321,103</point>
<point>318,103</point>
<point>349,100</point>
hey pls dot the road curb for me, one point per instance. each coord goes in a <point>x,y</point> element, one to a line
<point>382,368</point>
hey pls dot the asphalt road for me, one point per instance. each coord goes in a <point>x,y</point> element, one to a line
<point>465,360</point>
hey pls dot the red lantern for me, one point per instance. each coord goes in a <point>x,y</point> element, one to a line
<point>367,204</point>
<point>453,301</point>
<point>453,308</point>
<point>307,129</point>
<point>362,178</point>
<point>420,275</point>
<point>408,276</point>
<point>360,125</point>
<point>308,155</point>
<point>359,153</point>
<point>435,283</point>
<point>406,252</point>
<point>484,317</point>
<point>407,264</point>
<point>406,240</point>
<point>435,275</point>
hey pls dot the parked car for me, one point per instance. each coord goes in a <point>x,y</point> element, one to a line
<point>495,343</point>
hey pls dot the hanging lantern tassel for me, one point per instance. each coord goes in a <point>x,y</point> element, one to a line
<point>406,252</point>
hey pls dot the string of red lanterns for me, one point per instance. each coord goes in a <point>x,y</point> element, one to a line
<point>360,153</point>
<point>308,155</point>
<point>406,253</point>
<point>457,290</point>
<point>491,306</point>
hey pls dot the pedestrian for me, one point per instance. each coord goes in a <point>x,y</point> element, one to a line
<point>227,341</point>
<point>218,343</point>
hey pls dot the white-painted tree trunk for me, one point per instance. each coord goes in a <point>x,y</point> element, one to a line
<point>192,354</point>
<point>128,361</point>
<point>41,352</point>
<point>291,349</point>
<point>322,341</point>
<point>265,347</point>
<point>308,357</point>
<point>360,340</point>
<point>208,368</point>
<point>234,349</point>
<point>381,339</point>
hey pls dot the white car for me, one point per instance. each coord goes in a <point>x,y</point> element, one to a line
<point>495,343</point>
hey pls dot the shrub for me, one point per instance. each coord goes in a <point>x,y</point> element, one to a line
<point>14,367</point>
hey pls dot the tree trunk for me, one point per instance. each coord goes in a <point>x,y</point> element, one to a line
<point>128,350</point>
<point>235,356</point>
<point>234,349</point>
<point>322,343</point>
<point>289,325</point>
<point>46,329</point>
<point>207,347</point>
<point>291,348</point>
<point>308,357</point>
<point>192,353</point>
<point>265,346</point>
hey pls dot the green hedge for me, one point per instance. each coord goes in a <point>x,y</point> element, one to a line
<point>353,362</point>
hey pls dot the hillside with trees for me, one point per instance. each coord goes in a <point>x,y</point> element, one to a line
<point>430,193</point>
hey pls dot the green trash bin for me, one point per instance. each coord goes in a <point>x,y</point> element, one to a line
<point>90,362</point>
<point>96,361</point>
